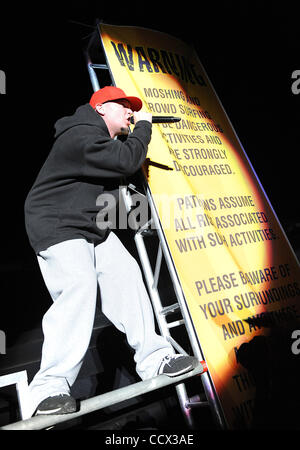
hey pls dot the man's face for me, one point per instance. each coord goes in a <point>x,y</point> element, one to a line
<point>116,115</point>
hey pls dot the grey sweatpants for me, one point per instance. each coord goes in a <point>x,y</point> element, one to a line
<point>72,271</point>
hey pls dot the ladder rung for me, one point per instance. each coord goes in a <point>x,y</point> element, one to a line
<point>196,404</point>
<point>148,232</point>
<point>144,228</point>
<point>176,323</point>
<point>98,66</point>
<point>170,309</point>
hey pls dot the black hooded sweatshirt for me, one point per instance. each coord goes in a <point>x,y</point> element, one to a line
<point>83,163</point>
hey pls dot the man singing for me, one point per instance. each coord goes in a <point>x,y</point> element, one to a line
<point>76,257</point>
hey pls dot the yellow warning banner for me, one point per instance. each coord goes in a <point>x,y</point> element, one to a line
<point>237,271</point>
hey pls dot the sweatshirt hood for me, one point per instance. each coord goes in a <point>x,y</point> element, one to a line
<point>84,115</point>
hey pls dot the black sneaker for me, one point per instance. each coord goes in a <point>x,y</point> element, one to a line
<point>57,404</point>
<point>174,365</point>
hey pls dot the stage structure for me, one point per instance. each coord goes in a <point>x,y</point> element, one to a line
<point>234,272</point>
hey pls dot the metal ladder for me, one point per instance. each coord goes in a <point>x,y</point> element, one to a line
<point>160,312</point>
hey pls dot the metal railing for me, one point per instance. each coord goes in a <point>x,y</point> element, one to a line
<point>104,400</point>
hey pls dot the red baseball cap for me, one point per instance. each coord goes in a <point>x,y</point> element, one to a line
<point>112,93</point>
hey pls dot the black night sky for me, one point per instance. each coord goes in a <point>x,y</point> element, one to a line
<point>249,50</point>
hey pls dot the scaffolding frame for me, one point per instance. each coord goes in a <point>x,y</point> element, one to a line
<point>21,381</point>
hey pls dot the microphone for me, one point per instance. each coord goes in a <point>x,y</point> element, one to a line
<point>161,119</point>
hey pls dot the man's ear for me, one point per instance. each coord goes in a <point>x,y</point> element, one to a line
<point>99,108</point>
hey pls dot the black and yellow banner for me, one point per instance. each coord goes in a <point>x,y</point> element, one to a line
<point>238,273</point>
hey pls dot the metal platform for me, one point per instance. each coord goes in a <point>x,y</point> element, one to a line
<point>104,400</point>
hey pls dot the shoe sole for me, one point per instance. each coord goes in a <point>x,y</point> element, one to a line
<point>57,411</point>
<point>66,409</point>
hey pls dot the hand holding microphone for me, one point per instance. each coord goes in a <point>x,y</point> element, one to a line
<point>142,115</point>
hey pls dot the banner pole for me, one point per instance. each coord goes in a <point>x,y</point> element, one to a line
<point>92,74</point>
